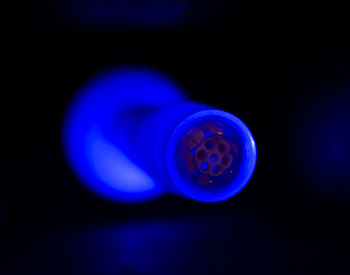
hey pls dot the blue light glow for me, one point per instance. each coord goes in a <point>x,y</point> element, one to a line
<point>322,143</point>
<point>128,12</point>
<point>131,134</point>
<point>134,13</point>
<point>96,114</point>
<point>214,187</point>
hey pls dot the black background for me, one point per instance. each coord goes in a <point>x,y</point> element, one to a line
<point>259,61</point>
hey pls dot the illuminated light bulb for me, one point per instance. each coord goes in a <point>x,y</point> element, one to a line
<point>131,134</point>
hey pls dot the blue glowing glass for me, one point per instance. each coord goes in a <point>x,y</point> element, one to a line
<point>131,134</point>
<point>204,166</point>
<point>213,158</point>
<point>96,114</point>
<point>222,179</point>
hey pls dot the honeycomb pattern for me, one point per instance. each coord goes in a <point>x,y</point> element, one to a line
<point>213,156</point>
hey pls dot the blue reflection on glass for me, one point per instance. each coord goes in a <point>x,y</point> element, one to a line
<point>97,113</point>
<point>194,245</point>
<point>125,13</point>
<point>134,13</point>
<point>130,132</point>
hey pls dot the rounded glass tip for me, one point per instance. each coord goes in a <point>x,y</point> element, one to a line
<point>211,156</point>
